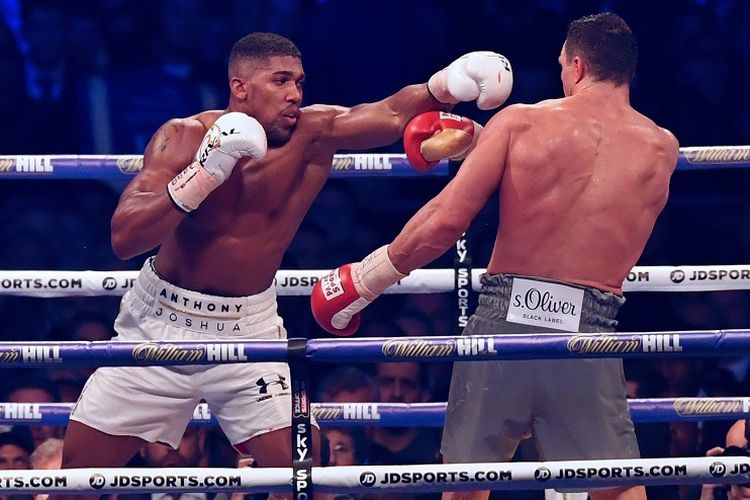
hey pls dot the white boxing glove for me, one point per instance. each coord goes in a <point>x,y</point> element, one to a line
<point>231,137</point>
<point>484,76</point>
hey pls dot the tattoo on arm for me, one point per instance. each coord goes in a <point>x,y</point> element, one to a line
<point>163,138</point>
<point>161,143</point>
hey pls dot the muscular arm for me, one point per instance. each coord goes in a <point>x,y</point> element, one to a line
<point>145,212</point>
<point>379,123</point>
<point>440,223</point>
<point>670,153</point>
<point>673,149</point>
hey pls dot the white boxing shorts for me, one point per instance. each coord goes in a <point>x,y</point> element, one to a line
<point>156,403</point>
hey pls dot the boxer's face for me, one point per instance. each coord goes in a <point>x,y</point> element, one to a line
<point>271,90</point>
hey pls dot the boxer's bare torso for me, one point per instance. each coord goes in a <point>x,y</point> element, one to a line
<point>223,230</point>
<point>233,245</point>
<point>581,182</point>
<point>585,179</point>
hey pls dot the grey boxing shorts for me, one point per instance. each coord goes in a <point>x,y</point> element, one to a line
<point>574,408</point>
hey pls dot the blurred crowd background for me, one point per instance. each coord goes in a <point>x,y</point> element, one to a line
<point>85,77</point>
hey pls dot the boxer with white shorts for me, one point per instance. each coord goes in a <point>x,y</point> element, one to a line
<point>221,195</point>
<point>247,399</point>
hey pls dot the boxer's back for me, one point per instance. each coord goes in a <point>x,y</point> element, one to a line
<point>585,179</point>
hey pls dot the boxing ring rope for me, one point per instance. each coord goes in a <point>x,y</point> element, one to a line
<point>408,414</point>
<point>577,474</point>
<point>117,167</point>
<point>450,477</point>
<point>49,284</point>
<point>734,342</point>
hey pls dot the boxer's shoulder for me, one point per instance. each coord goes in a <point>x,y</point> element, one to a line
<point>189,128</point>
<point>204,119</point>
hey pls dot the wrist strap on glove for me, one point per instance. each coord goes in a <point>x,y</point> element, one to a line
<point>191,186</point>
<point>375,273</point>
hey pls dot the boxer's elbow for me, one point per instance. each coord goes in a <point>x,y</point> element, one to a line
<point>392,124</point>
<point>121,252</point>
<point>126,250</point>
<point>121,247</point>
<point>447,227</point>
<point>124,243</point>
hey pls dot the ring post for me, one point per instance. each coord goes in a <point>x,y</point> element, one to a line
<point>302,449</point>
<point>462,269</point>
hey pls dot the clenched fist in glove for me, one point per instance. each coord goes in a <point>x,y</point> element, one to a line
<point>484,76</point>
<point>233,136</point>
<point>338,298</point>
<point>436,135</point>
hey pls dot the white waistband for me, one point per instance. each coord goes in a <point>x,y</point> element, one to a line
<point>156,293</point>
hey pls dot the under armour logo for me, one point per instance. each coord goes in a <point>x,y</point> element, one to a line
<point>263,384</point>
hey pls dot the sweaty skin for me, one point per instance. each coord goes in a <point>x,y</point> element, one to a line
<point>578,204</point>
<point>581,180</point>
<point>233,244</point>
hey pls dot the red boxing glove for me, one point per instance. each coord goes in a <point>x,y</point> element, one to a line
<point>337,299</point>
<point>330,298</point>
<point>436,135</point>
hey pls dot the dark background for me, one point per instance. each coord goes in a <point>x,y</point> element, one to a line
<point>85,77</point>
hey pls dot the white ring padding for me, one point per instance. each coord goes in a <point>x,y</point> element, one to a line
<point>101,480</point>
<point>576,474</point>
<point>290,282</point>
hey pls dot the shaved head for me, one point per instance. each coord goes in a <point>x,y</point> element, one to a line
<point>261,46</point>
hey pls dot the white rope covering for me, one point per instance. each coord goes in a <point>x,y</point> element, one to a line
<point>577,474</point>
<point>292,282</point>
<point>121,480</point>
